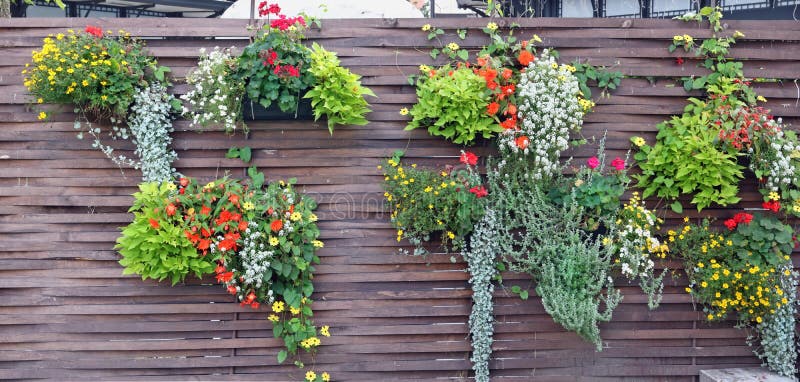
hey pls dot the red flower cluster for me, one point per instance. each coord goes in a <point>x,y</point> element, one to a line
<point>269,57</point>
<point>772,205</point>
<point>265,9</point>
<point>286,70</point>
<point>479,191</point>
<point>741,217</point>
<point>283,23</point>
<point>94,31</point>
<point>502,87</point>
<point>748,124</point>
<point>618,164</point>
<point>468,158</point>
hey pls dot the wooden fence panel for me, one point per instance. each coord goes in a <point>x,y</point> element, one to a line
<point>67,313</point>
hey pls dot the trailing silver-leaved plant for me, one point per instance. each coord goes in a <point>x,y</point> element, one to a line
<point>779,344</point>
<point>483,250</point>
<point>150,123</point>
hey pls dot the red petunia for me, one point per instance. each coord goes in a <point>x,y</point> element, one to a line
<point>94,31</point>
<point>492,108</point>
<point>525,58</point>
<point>276,225</point>
<point>468,158</point>
<point>154,223</point>
<point>479,191</point>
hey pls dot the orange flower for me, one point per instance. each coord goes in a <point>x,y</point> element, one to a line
<point>171,209</point>
<point>482,61</point>
<point>512,109</point>
<point>522,142</point>
<point>510,123</point>
<point>525,58</point>
<point>154,223</point>
<point>231,289</point>
<point>507,73</point>
<point>492,108</point>
<point>276,225</point>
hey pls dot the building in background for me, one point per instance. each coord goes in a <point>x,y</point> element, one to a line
<point>122,8</point>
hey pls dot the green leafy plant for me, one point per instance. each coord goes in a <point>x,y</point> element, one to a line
<point>337,93</point>
<point>451,103</point>
<point>154,245</point>
<point>605,79</point>
<point>426,202</point>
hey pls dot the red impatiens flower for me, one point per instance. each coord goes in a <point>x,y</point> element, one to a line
<point>479,191</point>
<point>94,31</point>
<point>492,108</point>
<point>618,164</point>
<point>525,57</point>
<point>276,225</point>
<point>510,123</point>
<point>225,277</point>
<point>468,158</point>
<point>242,225</point>
<point>511,109</point>
<point>154,223</point>
<point>522,142</point>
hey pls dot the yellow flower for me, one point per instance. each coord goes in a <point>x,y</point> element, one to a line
<point>688,39</point>
<point>700,265</point>
<point>70,70</point>
<point>318,244</point>
<point>42,115</point>
<point>758,319</point>
<point>313,218</point>
<point>451,235</point>
<point>273,318</point>
<point>325,331</point>
<point>710,317</point>
<point>688,290</point>
<point>452,46</point>
<point>426,27</point>
<point>103,97</point>
<point>39,100</point>
<point>311,376</point>
<point>278,306</point>
<point>638,141</point>
<point>761,99</point>
<point>296,216</point>
<point>273,241</point>
<point>404,111</point>
<point>491,26</point>
<point>774,196</point>
<point>326,377</point>
<point>703,284</point>
<point>677,38</point>
<point>536,38</point>
<point>554,65</point>
<point>424,68</point>
<point>248,206</point>
<point>209,186</point>
<point>294,310</point>
<point>85,83</point>
<point>737,34</point>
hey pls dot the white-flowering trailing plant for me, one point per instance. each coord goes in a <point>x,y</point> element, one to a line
<point>779,346</point>
<point>481,261</point>
<point>636,246</point>
<point>215,97</point>
<point>550,108</point>
<point>150,124</point>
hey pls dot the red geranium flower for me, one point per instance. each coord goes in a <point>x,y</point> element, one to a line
<point>743,217</point>
<point>276,225</point>
<point>94,31</point>
<point>772,205</point>
<point>731,224</point>
<point>468,158</point>
<point>618,164</point>
<point>479,191</point>
<point>593,162</point>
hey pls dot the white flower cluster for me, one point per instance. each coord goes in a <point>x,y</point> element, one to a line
<point>549,110</point>
<point>635,245</point>
<point>781,170</point>
<point>256,257</point>
<point>150,123</point>
<point>216,98</point>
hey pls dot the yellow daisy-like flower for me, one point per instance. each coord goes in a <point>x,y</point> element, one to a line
<point>273,241</point>
<point>424,68</point>
<point>638,141</point>
<point>273,318</point>
<point>325,331</point>
<point>172,186</point>
<point>688,38</point>
<point>554,65</point>
<point>491,26</point>
<point>677,38</point>
<point>426,27</point>
<point>39,100</point>
<point>278,306</point>
<point>209,186</point>
<point>318,244</point>
<point>313,218</point>
<point>85,83</point>
<point>248,206</point>
<point>404,111</point>
<point>453,46</point>
<point>296,216</point>
<point>326,377</point>
<point>759,319</point>
<point>311,376</point>
<point>294,310</point>
<point>774,196</point>
<point>42,115</point>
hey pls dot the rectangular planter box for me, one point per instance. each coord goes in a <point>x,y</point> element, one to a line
<point>253,111</point>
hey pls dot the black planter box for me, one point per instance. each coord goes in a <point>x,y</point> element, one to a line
<point>253,111</point>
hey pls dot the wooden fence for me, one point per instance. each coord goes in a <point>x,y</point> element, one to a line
<point>67,313</point>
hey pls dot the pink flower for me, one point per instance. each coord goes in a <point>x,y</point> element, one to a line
<point>593,162</point>
<point>468,158</point>
<point>618,164</point>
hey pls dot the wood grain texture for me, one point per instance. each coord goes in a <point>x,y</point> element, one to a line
<point>67,313</point>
